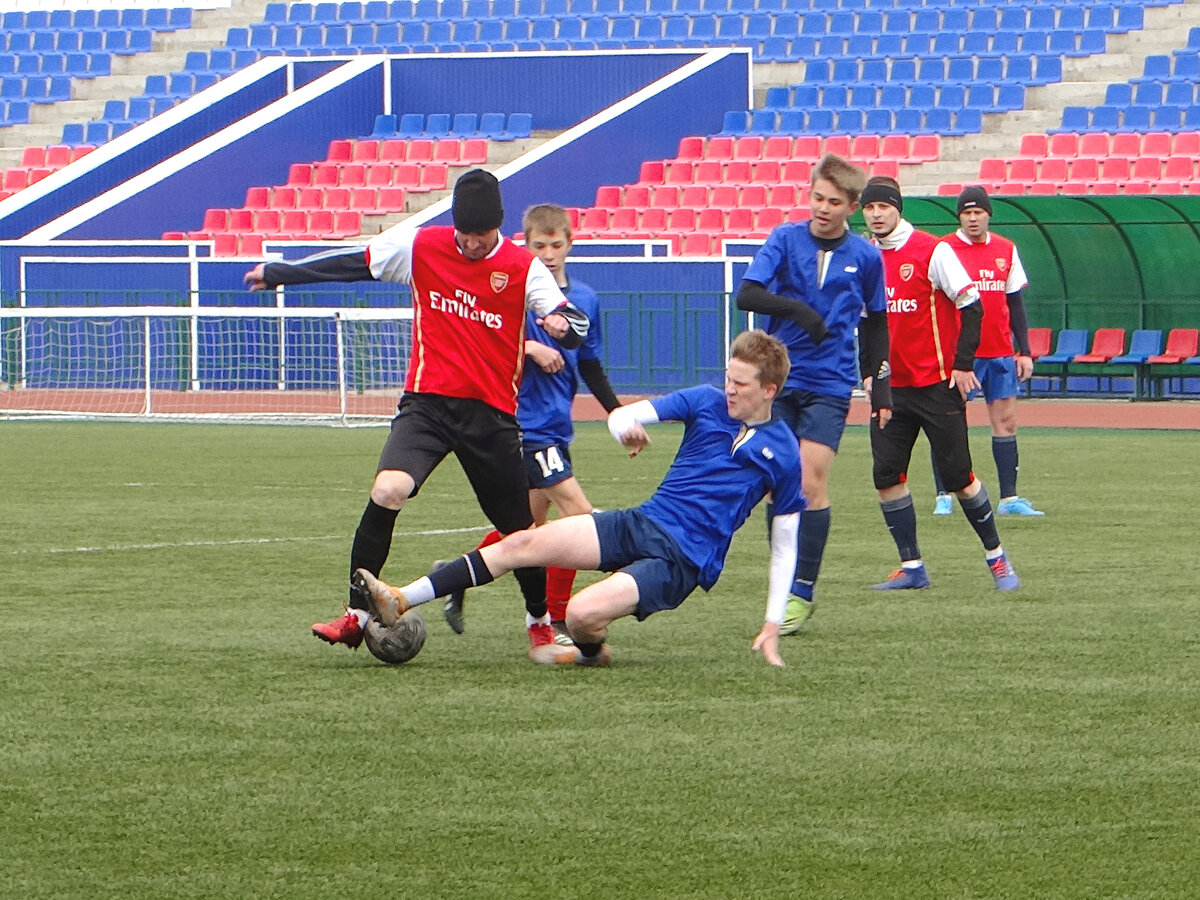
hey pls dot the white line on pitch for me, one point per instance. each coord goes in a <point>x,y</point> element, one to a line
<point>122,548</point>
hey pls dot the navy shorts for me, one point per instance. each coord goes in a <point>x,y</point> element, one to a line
<point>547,464</point>
<point>814,417</point>
<point>631,542</point>
<point>997,378</point>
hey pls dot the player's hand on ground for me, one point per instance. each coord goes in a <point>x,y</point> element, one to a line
<point>767,643</point>
<point>545,358</point>
<point>555,325</point>
<point>635,440</point>
<point>256,278</point>
<point>1024,368</point>
<point>964,381</point>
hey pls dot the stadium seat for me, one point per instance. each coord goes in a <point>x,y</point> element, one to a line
<point>1107,343</point>
<point>1182,343</point>
<point>1071,342</point>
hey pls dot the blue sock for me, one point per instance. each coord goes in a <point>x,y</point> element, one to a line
<point>901,518</point>
<point>979,513</point>
<point>937,476</point>
<point>1004,451</point>
<point>814,532</point>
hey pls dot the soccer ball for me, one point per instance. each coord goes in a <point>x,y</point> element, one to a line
<point>397,644</point>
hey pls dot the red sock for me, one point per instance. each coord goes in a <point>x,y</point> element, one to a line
<point>558,591</point>
<point>492,537</point>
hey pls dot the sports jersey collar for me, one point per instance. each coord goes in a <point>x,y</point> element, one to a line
<point>899,236</point>
<point>966,239</point>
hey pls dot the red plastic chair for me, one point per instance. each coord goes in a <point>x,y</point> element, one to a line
<point>474,152</point>
<point>299,174</point>
<point>1022,170</point>
<point>777,146</point>
<point>340,151</point>
<point>696,196</point>
<point>748,147</point>
<point>1052,169</point>
<point>420,150</point>
<point>652,171</point>
<point>1115,169</point>
<point>258,198</point>
<point>1034,145</point>
<point>697,244</point>
<point>1178,168</point>
<point>393,151</point>
<point>894,146</point>
<point>737,171</point>
<point>1106,343</point>
<point>680,172</point>
<point>268,221</point>
<point>691,147</point>
<point>719,148</point>
<point>807,146</point>
<point>1093,144</point>
<point>782,196</point>
<point>1064,144</point>
<point>448,150</point>
<point>710,221</point>
<point>624,222</point>
<point>1182,343</point>
<point>380,174</point>
<point>1039,342</point>
<point>864,147</point>
<point>310,198</point>
<point>708,171</point>
<point>365,151</point>
<point>337,198</point>
<point>925,148</point>
<point>754,196</point>
<point>33,156</point>
<point>836,143</point>
<point>992,169</point>
<point>665,197</point>
<point>364,199</point>
<point>58,155</point>
<point>391,199</point>
<point>637,195</point>
<point>1127,144</point>
<point>284,197</point>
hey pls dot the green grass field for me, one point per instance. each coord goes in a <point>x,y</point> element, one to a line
<point>169,728</point>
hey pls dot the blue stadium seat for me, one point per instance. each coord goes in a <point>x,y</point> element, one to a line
<point>491,125</point>
<point>1010,97</point>
<point>819,121</point>
<point>1130,17</point>
<point>97,133</point>
<point>980,96</point>
<point>850,121</point>
<point>1092,43</point>
<point>1048,69</point>
<point>903,70</point>
<point>834,96</point>
<point>909,120</point>
<point>762,121</point>
<point>990,69</point>
<point>962,69</point>
<point>922,97</point>
<point>1063,43</point>
<point>967,121</point>
<point>73,134</point>
<point>180,17</point>
<point>1013,18</point>
<point>1105,118</point>
<point>437,125</point>
<point>932,70</point>
<point>520,125</point>
<point>791,121</point>
<point>1147,93</point>
<point>1070,16</point>
<point>874,71</point>
<point>411,125</point>
<point>300,13</point>
<point>1136,119</point>
<point>1181,93</point>
<point>464,125</point>
<point>1168,118</point>
<point>385,126</point>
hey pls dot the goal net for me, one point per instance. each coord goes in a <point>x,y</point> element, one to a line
<point>337,365</point>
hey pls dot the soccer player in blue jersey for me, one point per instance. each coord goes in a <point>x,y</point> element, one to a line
<point>551,379</point>
<point>734,453</point>
<point>816,282</point>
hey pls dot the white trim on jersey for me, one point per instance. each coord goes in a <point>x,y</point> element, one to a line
<point>947,274</point>
<point>390,255</point>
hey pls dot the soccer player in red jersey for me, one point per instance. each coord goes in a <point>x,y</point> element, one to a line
<point>934,315</point>
<point>471,289</point>
<point>548,388</point>
<point>993,262</point>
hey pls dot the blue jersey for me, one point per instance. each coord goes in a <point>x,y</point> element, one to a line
<point>787,265</point>
<point>721,472</point>
<point>544,401</point>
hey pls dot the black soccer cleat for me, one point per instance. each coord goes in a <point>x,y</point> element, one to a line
<point>452,610</point>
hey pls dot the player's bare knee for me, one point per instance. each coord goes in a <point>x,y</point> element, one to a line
<point>392,488</point>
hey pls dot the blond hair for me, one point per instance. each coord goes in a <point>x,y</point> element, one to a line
<point>546,218</point>
<point>766,353</point>
<point>842,174</point>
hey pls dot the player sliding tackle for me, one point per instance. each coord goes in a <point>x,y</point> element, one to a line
<point>733,455</point>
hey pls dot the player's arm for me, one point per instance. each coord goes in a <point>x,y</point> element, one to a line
<point>627,425</point>
<point>323,267</point>
<point>784,529</point>
<point>754,297</point>
<point>874,351</point>
<point>562,319</point>
<point>593,375</point>
<point>1019,323</point>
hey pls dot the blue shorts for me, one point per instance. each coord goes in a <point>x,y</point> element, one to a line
<point>547,464</point>
<point>997,378</point>
<point>814,417</point>
<point>631,542</point>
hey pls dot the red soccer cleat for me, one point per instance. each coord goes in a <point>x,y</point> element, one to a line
<point>540,636</point>
<point>345,630</point>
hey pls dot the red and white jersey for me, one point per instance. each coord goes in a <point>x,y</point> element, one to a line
<point>920,275</point>
<point>468,316</point>
<point>996,269</point>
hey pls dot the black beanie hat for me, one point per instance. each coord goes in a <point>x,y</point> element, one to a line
<point>974,197</point>
<point>880,192</point>
<point>476,208</point>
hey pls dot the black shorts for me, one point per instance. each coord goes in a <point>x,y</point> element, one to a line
<point>941,413</point>
<point>487,442</point>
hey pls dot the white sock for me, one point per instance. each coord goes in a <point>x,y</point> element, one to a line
<point>530,621</point>
<point>362,616</point>
<point>419,591</point>
<point>994,554</point>
<point>912,564</point>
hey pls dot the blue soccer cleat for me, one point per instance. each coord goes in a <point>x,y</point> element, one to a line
<point>904,580</point>
<point>1004,573</point>
<point>944,505</point>
<point>1017,506</point>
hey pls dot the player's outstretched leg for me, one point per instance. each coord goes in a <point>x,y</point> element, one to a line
<point>452,606</point>
<point>558,655</point>
<point>384,602</point>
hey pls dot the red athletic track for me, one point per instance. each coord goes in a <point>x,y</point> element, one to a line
<point>1062,413</point>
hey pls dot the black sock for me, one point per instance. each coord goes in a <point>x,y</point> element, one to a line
<point>372,543</point>
<point>533,588</point>
<point>979,513</point>
<point>467,571</point>
<point>589,650</point>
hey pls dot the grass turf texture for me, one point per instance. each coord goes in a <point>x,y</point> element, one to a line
<point>168,727</point>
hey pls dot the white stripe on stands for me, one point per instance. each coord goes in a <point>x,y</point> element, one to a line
<point>124,548</point>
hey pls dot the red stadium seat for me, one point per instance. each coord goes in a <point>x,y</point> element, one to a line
<point>777,146</point>
<point>1085,168</point>
<point>340,151</point>
<point>737,171</point>
<point>1010,188</point>
<point>993,169</point>
<point>1064,144</point>
<point>1114,169</point>
<point>393,151</point>
<point>310,198</point>
<point>1024,171</point>
<point>1156,144</point>
<point>1042,188</point>
<point>637,195</point>
<point>1186,143</point>
<point>808,147</point>
<point>420,150</point>
<point>739,222</point>
<point>365,200</point>
<point>294,222</point>
<point>1182,343</point>
<point>1126,143</point>
<point>765,171</point>
<point>748,147</point>
<point>250,244</point>
<point>836,143</point>
<point>720,147</point>
<point>666,197</point>
<point>766,219</point>
<point>241,220</point>
<point>925,147</point>
<point>15,179</point>
<point>320,222</point>
<point>753,196</point>
<point>680,220</point>
<point>258,198</point>
<point>781,195</point>
<point>284,197</point>
<point>709,171</point>
<point>1178,168</point>
<point>365,151</point>
<point>1034,145</point>
<point>1039,342</point>
<point>652,171</point>
<point>337,198</point>
<point>448,150</point>
<point>325,174</point>
<point>380,174</point>
<point>215,220</point>
<point>894,146</point>
<point>1145,168</point>
<point>1136,187</point>
<point>474,152</point>
<point>624,222</point>
<point>1052,169</point>
<point>608,196</point>
<point>864,147</point>
<point>434,177</point>
<point>679,172</point>
<point>33,156</point>
<point>267,221</point>
<point>690,147</point>
<point>406,175</point>
<point>299,174</point>
<point>58,155</point>
<point>225,244</point>
<point>697,244</point>
<point>653,221</point>
<point>696,196</point>
<point>710,221</point>
<point>392,199</point>
<point>346,223</point>
<point>594,220</point>
<point>1106,343</point>
<point>796,172</point>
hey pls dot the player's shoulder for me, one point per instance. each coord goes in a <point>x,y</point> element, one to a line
<point>582,295</point>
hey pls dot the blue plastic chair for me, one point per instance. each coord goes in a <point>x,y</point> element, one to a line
<point>385,126</point>
<point>411,125</point>
<point>520,125</point>
<point>1071,342</point>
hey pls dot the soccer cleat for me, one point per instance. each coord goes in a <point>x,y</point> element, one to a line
<point>1017,506</point>
<point>1003,572</point>
<point>562,637</point>
<point>452,608</point>
<point>344,630</point>
<point>384,602</point>
<point>554,655</point>
<point>540,635</point>
<point>798,612</point>
<point>904,580</point>
<point>944,505</point>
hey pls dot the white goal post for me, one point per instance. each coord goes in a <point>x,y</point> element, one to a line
<point>334,365</point>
